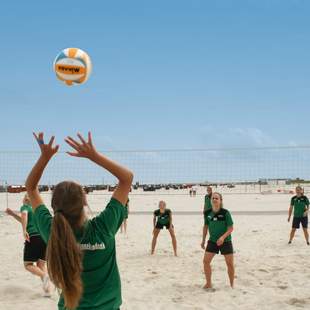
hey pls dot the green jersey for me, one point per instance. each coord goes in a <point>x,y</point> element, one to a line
<point>126,210</point>
<point>100,276</point>
<point>31,227</point>
<point>208,204</point>
<point>218,223</point>
<point>300,204</point>
<point>162,218</point>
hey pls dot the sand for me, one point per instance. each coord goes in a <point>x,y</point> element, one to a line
<point>270,273</point>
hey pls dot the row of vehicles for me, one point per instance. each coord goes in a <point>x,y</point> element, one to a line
<point>90,188</point>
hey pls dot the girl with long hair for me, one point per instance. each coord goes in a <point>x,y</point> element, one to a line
<point>81,253</point>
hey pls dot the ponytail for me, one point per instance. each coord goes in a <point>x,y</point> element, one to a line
<point>64,258</point>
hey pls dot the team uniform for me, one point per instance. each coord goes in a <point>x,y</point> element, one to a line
<point>35,249</point>
<point>126,210</point>
<point>162,219</point>
<point>300,205</point>
<point>208,204</point>
<point>218,224</point>
<point>100,276</point>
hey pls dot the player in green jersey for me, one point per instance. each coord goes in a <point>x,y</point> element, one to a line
<point>163,218</point>
<point>300,205</point>
<point>219,224</point>
<point>124,224</point>
<point>34,246</point>
<point>208,203</point>
<point>81,253</point>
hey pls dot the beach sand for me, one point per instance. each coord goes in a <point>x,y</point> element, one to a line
<point>270,273</point>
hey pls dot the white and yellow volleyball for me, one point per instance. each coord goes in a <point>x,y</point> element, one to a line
<point>72,66</point>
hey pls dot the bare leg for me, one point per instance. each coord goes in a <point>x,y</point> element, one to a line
<point>35,270</point>
<point>207,268</point>
<point>42,265</point>
<point>155,235</point>
<point>292,234</point>
<point>125,225</point>
<point>46,282</point>
<point>306,235</point>
<point>174,240</point>
<point>230,268</point>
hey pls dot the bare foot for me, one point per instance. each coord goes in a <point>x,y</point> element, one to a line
<point>207,286</point>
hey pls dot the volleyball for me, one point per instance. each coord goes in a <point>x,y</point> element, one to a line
<point>72,66</point>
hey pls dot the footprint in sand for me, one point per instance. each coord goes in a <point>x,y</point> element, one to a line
<point>282,287</point>
<point>298,301</point>
<point>263,270</point>
<point>177,299</point>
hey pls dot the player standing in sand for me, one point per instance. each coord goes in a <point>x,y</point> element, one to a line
<point>81,253</point>
<point>124,224</point>
<point>300,205</point>
<point>219,223</point>
<point>163,218</point>
<point>34,247</point>
<point>208,198</point>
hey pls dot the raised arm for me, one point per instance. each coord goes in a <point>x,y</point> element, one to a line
<point>86,149</point>
<point>47,152</point>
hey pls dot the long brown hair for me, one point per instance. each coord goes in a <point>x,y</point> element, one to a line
<point>64,256</point>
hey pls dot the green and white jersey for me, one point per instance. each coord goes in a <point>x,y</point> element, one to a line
<point>218,223</point>
<point>162,218</point>
<point>208,204</point>
<point>100,276</point>
<point>300,204</point>
<point>31,226</point>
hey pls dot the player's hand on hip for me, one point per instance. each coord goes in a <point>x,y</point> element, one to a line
<point>220,241</point>
<point>26,236</point>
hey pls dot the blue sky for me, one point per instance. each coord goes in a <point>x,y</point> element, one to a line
<point>167,74</point>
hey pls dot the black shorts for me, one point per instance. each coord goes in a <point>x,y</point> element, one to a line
<point>225,249</point>
<point>35,249</point>
<point>161,226</point>
<point>300,220</point>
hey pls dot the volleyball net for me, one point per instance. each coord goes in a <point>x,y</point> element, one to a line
<point>239,167</point>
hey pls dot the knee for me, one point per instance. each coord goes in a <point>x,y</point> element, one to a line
<point>206,262</point>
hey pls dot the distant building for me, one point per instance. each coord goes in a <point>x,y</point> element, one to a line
<point>274,182</point>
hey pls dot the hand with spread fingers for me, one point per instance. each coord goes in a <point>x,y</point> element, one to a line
<point>83,148</point>
<point>47,150</point>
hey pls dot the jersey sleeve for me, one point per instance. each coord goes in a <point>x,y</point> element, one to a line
<point>24,208</point>
<point>307,201</point>
<point>292,201</point>
<point>229,220</point>
<point>110,219</point>
<point>43,221</point>
<point>155,213</point>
